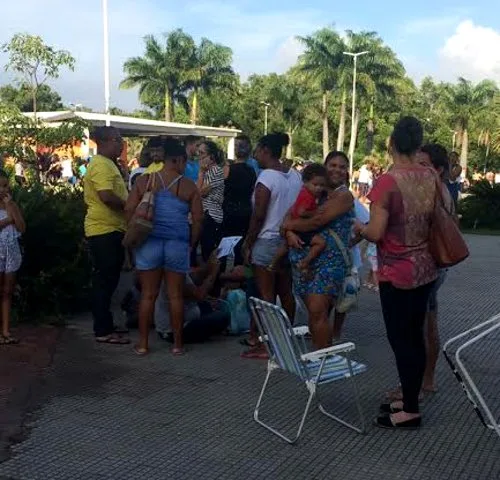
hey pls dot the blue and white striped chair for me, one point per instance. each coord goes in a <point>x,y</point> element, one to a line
<point>464,376</point>
<point>314,368</point>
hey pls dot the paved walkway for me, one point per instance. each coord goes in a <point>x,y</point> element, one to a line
<point>111,415</point>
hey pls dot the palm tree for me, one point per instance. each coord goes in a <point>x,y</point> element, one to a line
<point>464,101</point>
<point>495,141</point>
<point>210,66</point>
<point>291,97</point>
<point>378,73</point>
<point>322,60</point>
<point>161,72</point>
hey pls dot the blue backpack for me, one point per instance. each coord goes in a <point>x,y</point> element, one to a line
<point>240,318</point>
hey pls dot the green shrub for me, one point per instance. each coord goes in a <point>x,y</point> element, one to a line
<point>481,209</point>
<point>55,275</point>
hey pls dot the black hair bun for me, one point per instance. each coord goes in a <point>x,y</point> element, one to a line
<point>408,135</point>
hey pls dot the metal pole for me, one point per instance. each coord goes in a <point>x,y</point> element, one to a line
<point>353,123</point>
<point>106,59</point>
<point>265,119</point>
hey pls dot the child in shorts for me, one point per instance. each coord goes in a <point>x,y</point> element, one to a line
<point>371,255</point>
<point>314,178</point>
<point>11,227</point>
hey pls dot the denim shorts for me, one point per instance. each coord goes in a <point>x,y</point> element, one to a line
<point>265,249</point>
<point>155,253</point>
<point>433,302</point>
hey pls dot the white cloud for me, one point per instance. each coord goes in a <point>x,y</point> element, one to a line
<point>288,53</point>
<point>429,25</point>
<point>473,52</point>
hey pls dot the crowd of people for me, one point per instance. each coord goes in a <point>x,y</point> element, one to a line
<point>300,237</point>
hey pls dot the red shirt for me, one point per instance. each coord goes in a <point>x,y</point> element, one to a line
<point>306,202</point>
<point>407,193</point>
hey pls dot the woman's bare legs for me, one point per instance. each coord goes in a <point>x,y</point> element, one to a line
<point>150,286</point>
<point>265,281</point>
<point>7,282</point>
<point>318,307</point>
<point>284,289</point>
<point>432,344</point>
<point>338,323</point>
<point>175,283</point>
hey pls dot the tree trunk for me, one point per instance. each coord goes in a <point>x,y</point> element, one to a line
<point>34,92</point>
<point>341,134</point>
<point>168,117</point>
<point>326,143</point>
<point>194,107</point>
<point>352,142</point>
<point>464,151</point>
<point>370,132</point>
<point>289,147</point>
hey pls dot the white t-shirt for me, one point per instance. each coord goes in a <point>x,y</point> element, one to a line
<point>364,174</point>
<point>67,168</point>
<point>19,170</point>
<point>284,188</point>
<point>363,215</point>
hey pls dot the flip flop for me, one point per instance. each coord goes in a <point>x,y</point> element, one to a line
<point>113,340</point>
<point>178,352</point>
<point>141,352</point>
<point>246,343</point>
<point>255,352</point>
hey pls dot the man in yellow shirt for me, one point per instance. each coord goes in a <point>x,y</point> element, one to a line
<point>105,194</point>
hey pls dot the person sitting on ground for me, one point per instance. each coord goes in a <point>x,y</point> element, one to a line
<point>314,177</point>
<point>202,318</point>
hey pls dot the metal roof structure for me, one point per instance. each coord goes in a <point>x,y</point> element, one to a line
<point>132,126</point>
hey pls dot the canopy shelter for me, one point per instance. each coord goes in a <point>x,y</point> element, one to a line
<point>142,127</point>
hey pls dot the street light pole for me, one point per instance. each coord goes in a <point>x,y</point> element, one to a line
<point>266,106</point>
<point>106,59</point>
<point>353,123</point>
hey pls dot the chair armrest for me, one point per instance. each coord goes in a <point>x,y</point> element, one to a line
<point>326,352</point>
<point>298,332</point>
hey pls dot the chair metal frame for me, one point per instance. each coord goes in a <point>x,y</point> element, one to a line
<point>264,312</point>
<point>463,375</point>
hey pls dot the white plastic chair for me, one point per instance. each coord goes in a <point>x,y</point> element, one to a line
<point>463,375</point>
<point>313,369</point>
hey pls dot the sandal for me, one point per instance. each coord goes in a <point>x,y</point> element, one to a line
<point>257,352</point>
<point>385,421</point>
<point>113,340</point>
<point>178,352</point>
<point>247,343</point>
<point>139,351</point>
<point>8,340</point>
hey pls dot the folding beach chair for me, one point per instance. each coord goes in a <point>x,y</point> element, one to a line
<point>463,375</point>
<point>313,369</point>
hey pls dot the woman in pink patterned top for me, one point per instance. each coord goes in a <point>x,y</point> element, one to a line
<point>402,202</point>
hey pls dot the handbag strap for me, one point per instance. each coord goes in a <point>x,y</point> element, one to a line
<point>341,246</point>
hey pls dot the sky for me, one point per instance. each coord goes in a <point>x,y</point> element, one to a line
<point>441,38</point>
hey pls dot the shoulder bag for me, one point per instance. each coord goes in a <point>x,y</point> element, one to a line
<point>348,296</point>
<point>141,224</point>
<point>446,242</point>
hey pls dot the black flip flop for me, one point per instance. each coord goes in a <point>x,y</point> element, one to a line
<point>8,340</point>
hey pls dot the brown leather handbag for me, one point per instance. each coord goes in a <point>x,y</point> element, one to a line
<point>141,224</point>
<point>446,242</point>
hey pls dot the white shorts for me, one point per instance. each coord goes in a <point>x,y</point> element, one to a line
<point>10,257</point>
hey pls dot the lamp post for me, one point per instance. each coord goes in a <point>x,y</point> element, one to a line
<point>266,106</point>
<point>353,123</point>
<point>106,59</point>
